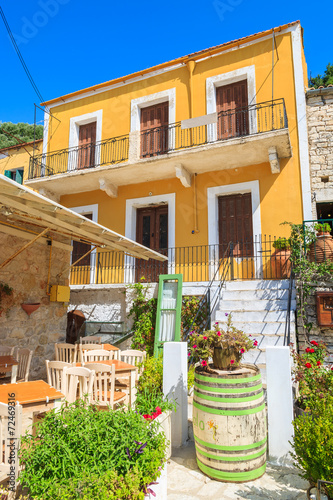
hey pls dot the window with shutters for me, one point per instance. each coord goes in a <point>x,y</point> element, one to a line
<point>232,110</point>
<point>87,145</point>
<point>235,224</point>
<point>15,175</point>
<point>154,130</point>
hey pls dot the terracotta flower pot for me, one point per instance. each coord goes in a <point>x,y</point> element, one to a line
<point>223,357</point>
<point>280,264</point>
<point>30,308</point>
<point>321,249</point>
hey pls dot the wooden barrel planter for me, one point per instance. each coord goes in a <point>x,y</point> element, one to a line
<point>229,423</point>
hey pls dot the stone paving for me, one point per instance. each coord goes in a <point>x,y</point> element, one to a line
<point>187,482</point>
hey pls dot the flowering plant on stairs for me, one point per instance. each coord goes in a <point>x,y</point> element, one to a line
<point>225,347</point>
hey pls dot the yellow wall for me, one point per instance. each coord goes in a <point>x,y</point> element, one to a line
<point>19,157</point>
<point>280,194</point>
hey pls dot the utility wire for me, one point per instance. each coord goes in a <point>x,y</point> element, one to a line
<point>25,67</point>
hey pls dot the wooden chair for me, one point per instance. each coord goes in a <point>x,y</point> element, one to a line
<point>10,434</point>
<point>6,351</point>
<point>78,384</point>
<point>65,353</point>
<point>89,347</point>
<point>97,355</point>
<point>132,357</point>
<point>23,356</point>
<point>90,340</point>
<point>55,374</point>
<point>104,393</point>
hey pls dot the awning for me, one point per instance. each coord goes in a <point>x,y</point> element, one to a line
<point>24,209</point>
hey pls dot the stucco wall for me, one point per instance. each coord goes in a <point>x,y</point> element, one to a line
<point>320,130</point>
<point>27,275</point>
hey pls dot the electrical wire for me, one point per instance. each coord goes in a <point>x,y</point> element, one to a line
<point>17,50</point>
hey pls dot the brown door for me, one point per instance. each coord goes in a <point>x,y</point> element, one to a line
<point>154,130</point>
<point>235,224</point>
<point>87,140</point>
<point>152,232</point>
<point>232,109</point>
<point>81,270</point>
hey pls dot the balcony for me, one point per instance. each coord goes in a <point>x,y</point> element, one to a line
<point>244,260</point>
<point>242,137</point>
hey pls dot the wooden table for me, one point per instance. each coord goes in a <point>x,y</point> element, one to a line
<point>32,395</point>
<point>9,364</point>
<point>107,347</point>
<point>125,369</point>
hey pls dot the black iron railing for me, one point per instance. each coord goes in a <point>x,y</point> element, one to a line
<point>249,120</point>
<point>254,258</point>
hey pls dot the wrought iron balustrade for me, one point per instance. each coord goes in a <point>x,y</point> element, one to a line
<point>240,122</point>
<point>250,259</point>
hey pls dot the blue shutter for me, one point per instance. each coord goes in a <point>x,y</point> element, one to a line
<point>19,176</point>
<point>8,173</point>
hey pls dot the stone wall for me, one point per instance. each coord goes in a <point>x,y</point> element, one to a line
<point>317,333</point>
<point>27,274</point>
<point>320,131</point>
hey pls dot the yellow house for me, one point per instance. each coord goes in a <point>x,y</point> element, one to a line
<point>200,157</point>
<point>14,160</point>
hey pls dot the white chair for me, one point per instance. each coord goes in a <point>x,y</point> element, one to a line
<point>55,374</point>
<point>90,340</point>
<point>104,393</point>
<point>132,357</point>
<point>23,356</point>
<point>65,352</point>
<point>6,351</point>
<point>87,347</point>
<point>10,434</point>
<point>78,384</point>
<point>97,355</point>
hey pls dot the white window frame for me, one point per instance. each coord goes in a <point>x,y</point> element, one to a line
<point>150,100</point>
<point>74,131</point>
<point>130,227</point>
<point>248,73</point>
<point>84,210</point>
<point>213,217</point>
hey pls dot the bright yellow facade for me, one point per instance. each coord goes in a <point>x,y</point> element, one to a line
<point>17,157</point>
<point>191,179</point>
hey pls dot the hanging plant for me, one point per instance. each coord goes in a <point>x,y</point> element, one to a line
<point>5,291</point>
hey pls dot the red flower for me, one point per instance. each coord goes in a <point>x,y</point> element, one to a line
<point>219,334</point>
<point>195,346</point>
<point>312,350</point>
<point>242,351</point>
<point>205,338</point>
<point>158,410</point>
<point>255,343</point>
<point>318,363</point>
<point>308,365</point>
<point>203,363</point>
<point>232,361</point>
<point>307,349</point>
<point>313,342</point>
<point>332,367</point>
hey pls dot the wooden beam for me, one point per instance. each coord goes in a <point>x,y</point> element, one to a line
<point>23,248</point>
<point>21,233</point>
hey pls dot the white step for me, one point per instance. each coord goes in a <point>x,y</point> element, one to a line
<point>257,285</point>
<point>254,305</point>
<point>257,328</point>
<point>257,316</point>
<point>256,294</point>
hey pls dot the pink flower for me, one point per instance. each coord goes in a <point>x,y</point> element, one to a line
<point>189,354</point>
<point>226,314</point>
<point>232,361</point>
<point>255,343</point>
<point>242,351</point>
<point>219,334</point>
<point>205,338</point>
<point>195,346</point>
<point>203,363</point>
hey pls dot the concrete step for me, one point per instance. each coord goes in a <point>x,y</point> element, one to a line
<point>260,328</point>
<point>257,316</point>
<point>268,294</point>
<point>257,285</point>
<point>254,305</point>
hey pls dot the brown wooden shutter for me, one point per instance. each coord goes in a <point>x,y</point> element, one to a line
<point>154,129</point>
<point>232,102</point>
<point>235,224</point>
<point>87,140</point>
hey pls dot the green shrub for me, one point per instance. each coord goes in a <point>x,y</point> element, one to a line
<point>313,443</point>
<point>151,379</point>
<point>147,402</point>
<point>190,377</point>
<point>282,244</point>
<point>143,313</point>
<point>322,227</point>
<point>80,451</point>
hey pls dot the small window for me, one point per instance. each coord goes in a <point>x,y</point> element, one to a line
<point>15,175</point>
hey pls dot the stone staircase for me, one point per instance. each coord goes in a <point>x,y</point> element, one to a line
<point>259,308</point>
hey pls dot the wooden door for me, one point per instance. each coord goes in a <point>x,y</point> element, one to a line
<point>87,140</point>
<point>152,232</point>
<point>232,109</point>
<point>81,270</point>
<point>235,224</point>
<point>154,130</point>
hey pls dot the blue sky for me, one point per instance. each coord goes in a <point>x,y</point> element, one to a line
<point>72,44</point>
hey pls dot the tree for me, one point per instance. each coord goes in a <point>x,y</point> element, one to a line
<point>22,131</point>
<point>322,80</point>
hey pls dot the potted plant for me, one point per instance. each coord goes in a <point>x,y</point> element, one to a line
<point>321,249</point>
<point>228,405</point>
<point>280,259</point>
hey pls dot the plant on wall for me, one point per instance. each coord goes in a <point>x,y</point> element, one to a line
<point>5,291</point>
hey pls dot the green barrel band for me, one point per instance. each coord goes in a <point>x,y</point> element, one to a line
<point>229,390</point>
<point>237,458</point>
<point>232,476</point>
<point>227,381</point>
<point>232,448</point>
<point>229,400</point>
<point>216,411</point>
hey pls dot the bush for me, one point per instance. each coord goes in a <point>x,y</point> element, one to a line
<point>81,452</point>
<point>282,244</point>
<point>313,443</point>
<point>143,312</point>
<point>151,379</point>
<point>322,227</point>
